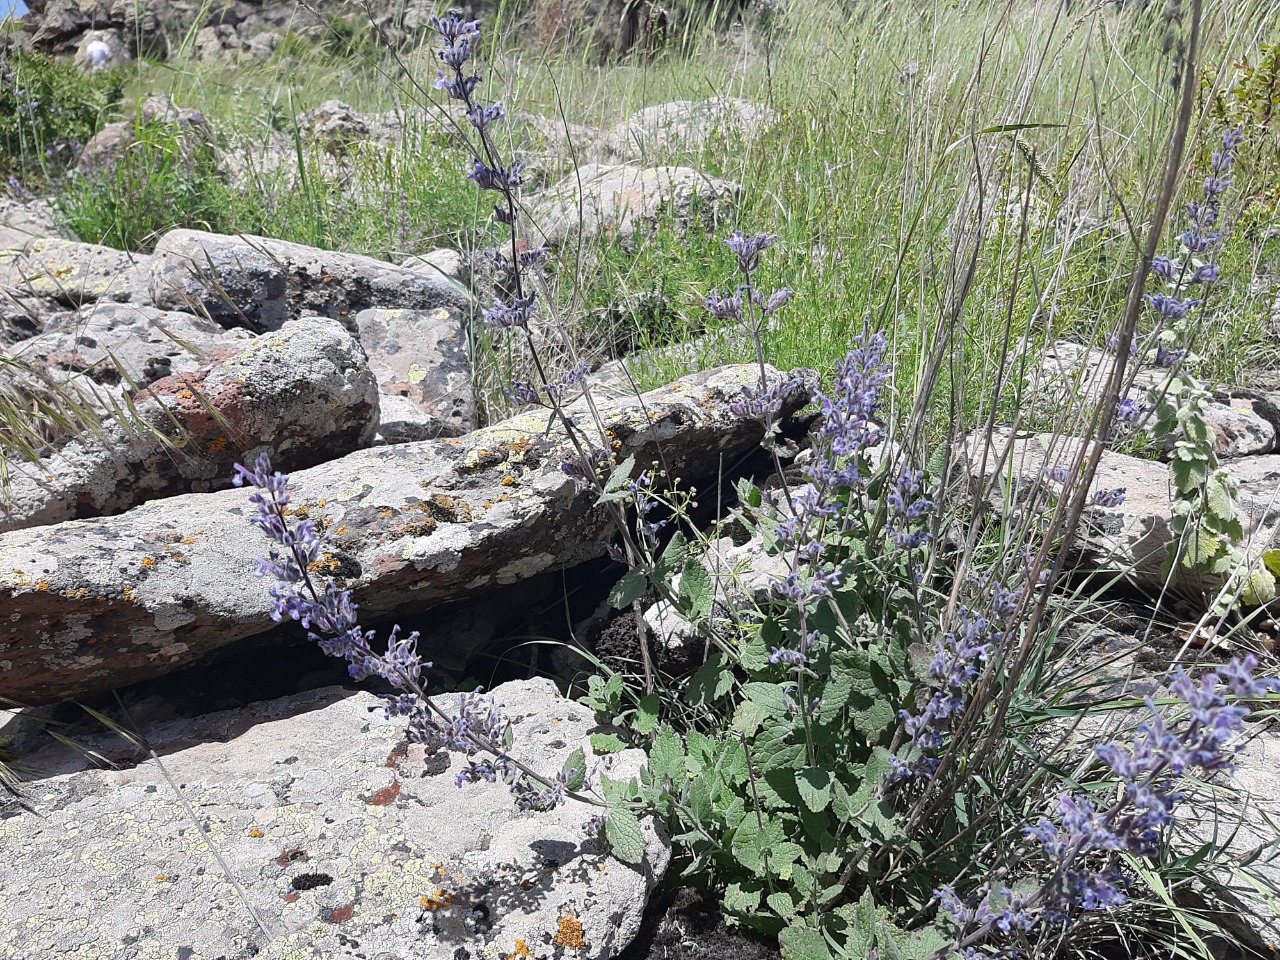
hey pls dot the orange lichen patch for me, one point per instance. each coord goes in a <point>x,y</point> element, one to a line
<point>385,796</point>
<point>326,564</point>
<point>149,562</point>
<point>437,900</point>
<point>521,950</point>
<point>162,878</point>
<point>508,481</point>
<point>570,934</point>
<point>341,531</point>
<point>42,586</point>
<point>256,833</point>
<point>342,914</point>
<point>185,395</point>
<point>218,444</point>
<point>288,897</point>
<point>130,595</point>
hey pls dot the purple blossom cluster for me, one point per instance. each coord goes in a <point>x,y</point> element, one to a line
<point>1080,847</point>
<point>1194,270</point>
<point>330,616</point>
<point>959,658</point>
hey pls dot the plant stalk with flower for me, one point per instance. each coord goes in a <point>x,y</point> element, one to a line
<point>329,615</point>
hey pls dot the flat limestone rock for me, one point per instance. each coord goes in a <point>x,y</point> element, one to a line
<point>95,604</point>
<point>341,840</point>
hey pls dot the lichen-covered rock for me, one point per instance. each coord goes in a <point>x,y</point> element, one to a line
<point>686,125</point>
<point>304,392</point>
<point>422,355</point>
<point>619,201</point>
<point>22,222</point>
<point>95,604</point>
<point>70,272</point>
<point>1134,538</point>
<point>258,282</point>
<point>341,837</point>
<point>123,347</point>
<point>449,263</point>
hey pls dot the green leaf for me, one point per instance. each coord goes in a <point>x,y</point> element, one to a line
<point>666,756</point>
<point>770,696</point>
<point>799,942</point>
<point>697,590</point>
<point>606,743</point>
<point>575,765</point>
<point>1188,475</point>
<point>782,904</point>
<point>626,838</point>
<point>1272,560</point>
<point>672,558</point>
<point>743,898</point>
<point>815,788</point>
<point>751,845</point>
<point>647,714</point>
<point>629,589</point>
<point>711,681</point>
<point>621,475</point>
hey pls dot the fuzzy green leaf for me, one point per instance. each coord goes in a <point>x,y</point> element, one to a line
<point>629,589</point>
<point>575,767</point>
<point>626,838</point>
<point>815,788</point>
<point>1271,558</point>
<point>666,756</point>
<point>647,714</point>
<point>799,942</point>
<point>606,743</point>
<point>697,590</point>
<point>621,475</point>
<point>711,681</point>
<point>782,904</point>
<point>742,898</point>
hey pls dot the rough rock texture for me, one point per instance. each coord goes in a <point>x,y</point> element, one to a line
<point>69,272</point>
<point>24,222</point>
<point>1246,814</point>
<point>451,263</point>
<point>618,201</point>
<point>96,604</point>
<point>121,346</point>
<point>1134,538</point>
<point>1243,423</point>
<point>345,841</point>
<point>304,392</point>
<point>422,355</point>
<point>24,317</point>
<point>333,123</point>
<point>254,281</point>
<point>686,125</point>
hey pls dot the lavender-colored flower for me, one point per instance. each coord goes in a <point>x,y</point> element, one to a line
<point>777,300</point>
<point>1171,308</point>
<point>726,307</point>
<point>641,490</point>
<point>482,117</point>
<point>1108,498</point>
<point>497,178</point>
<point>1129,410</point>
<point>507,315</point>
<point>1168,356</point>
<point>452,28</point>
<point>748,247</point>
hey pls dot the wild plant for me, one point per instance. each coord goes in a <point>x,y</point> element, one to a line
<point>873,761</point>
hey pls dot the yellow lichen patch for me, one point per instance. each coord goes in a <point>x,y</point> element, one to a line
<point>149,562</point>
<point>341,531</point>
<point>437,900</point>
<point>185,395</point>
<point>508,481</point>
<point>570,934</point>
<point>256,833</point>
<point>521,950</point>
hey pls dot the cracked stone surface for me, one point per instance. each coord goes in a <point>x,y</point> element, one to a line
<point>304,392</point>
<point>342,840</point>
<point>94,604</point>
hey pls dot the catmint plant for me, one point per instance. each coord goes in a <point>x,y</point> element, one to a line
<point>1206,522</point>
